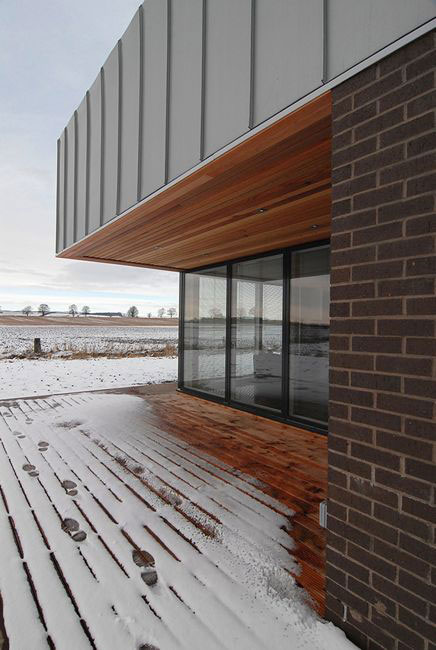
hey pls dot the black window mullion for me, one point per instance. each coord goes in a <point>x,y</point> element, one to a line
<point>228,361</point>
<point>285,332</point>
<point>181,351</point>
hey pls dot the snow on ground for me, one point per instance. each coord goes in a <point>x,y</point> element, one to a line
<point>27,377</point>
<point>57,338</point>
<point>129,536</point>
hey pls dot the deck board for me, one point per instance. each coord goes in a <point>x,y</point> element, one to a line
<point>185,480</point>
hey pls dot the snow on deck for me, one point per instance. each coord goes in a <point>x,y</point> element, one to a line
<point>115,535</point>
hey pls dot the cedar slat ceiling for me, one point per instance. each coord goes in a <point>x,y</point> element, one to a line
<point>213,214</point>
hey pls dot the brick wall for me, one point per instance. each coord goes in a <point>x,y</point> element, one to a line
<point>382,441</point>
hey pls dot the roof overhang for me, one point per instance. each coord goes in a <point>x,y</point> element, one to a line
<point>271,191</point>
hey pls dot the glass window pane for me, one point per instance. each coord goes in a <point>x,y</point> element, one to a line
<point>256,355</point>
<point>309,334</point>
<point>205,330</point>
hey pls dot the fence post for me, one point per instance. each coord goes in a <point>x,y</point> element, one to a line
<point>37,346</point>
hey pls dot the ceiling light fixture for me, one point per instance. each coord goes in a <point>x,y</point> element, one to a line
<point>261,210</point>
<point>314,226</point>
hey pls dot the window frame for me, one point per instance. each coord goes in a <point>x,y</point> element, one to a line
<point>283,415</point>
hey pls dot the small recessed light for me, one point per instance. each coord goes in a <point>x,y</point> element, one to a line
<point>314,226</point>
<point>260,210</point>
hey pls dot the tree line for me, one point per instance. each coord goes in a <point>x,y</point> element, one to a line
<point>73,310</point>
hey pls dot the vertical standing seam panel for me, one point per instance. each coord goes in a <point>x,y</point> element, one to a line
<point>94,155</point>
<point>252,62</point>
<point>168,89</point>
<point>88,147</point>
<point>203,75</point>
<point>140,102</point>
<point>59,198</point>
<point>71,181</point>
<point>119,121</point>
<point>102,145</point>
<point>111,114</point>
<point>75,177</point>
<point>65,184</point>
<point>81,169</point>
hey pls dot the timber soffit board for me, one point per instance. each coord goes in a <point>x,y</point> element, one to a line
<point>267,192</point>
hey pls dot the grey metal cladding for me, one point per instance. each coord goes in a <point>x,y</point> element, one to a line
<point>190,76</point>
<point>357,29</point>
<point>129,119</point>
<point>81,169</point>
<point>110,136</point>
<point>185,78</point>
<point>70,184</point>
<point>288,53</point>
<point>227,72</point>
<point>94,155</point>
<point>60,199</point>
<point>154,97</point>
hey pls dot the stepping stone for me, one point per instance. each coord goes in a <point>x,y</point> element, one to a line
<point>16,433</point>
<point>70,525</point>
<point>35,473</point>
<point>149,577</point>
<point>21,436</point>
<point>41,449</point>
<point>80,536</point>
<point>148,646</point>
<point>28,468</point>
<point>142,558</point>
<point>72,493</point>
<point>69,485</point>
<point>42,444</point>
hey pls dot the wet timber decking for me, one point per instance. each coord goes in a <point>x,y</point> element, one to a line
<point>205,489</point>
<point>290,463</point>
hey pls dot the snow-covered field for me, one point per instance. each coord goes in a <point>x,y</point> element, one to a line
<point>27,377</point>
<point>62,340</point>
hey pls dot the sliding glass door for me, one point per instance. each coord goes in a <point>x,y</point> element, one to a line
<point>255,334</point>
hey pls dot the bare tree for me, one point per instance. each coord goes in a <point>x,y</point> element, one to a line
<point>43,309</point>
<point>161,312</point>
<point>149,314</point>
<point>72,309</point>
<point>171,311</point>
<point>27,310</point>
<point>132,312</point>
<point>86,310</point>
<point>216,313</point>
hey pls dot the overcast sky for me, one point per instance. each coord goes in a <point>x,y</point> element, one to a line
<point>50,53</point>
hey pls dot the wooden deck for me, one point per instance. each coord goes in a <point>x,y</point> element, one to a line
<point>289,463</point>
<point>122,490</point>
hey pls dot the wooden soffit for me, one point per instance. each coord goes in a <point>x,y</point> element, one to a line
<point>271,191</point>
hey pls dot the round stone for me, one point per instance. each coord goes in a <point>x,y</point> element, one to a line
<point>72,493</point>
<point>80,536</point>
<point>69,485</point>
<point>35,473</point>
<point>28,468</point>
<point>42,444</point>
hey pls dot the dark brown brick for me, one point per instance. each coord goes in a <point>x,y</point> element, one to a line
<point>353,221</point>
<point>406,54</point>
<point>340,174</point>
<point>370,595</point>
<point>400,559</point>
<point>410,247</point>
<point>348,532</point>
<point>339,377</point>
<point>419,346</point>
<point>400,595</point>
<point>337,510</point>
<point>405,327</point>
<point>350,499</point>
<point>353,326</point>
<point>380,159</point>
<point>406,208</point>
<point>341,207</point>
<point>417,586</point>
<point>354,117</point>
<point>338,411</point>
<point>373,527</point>
<point>353,568</point>
<point>347,395</point>
<point>406,131</point>
<point>408,168</point>
<point>405,445</point>
<point>392,230</point>
<point>338,444</point>
<point>335,541</point>
<point>386,569</point>
<point>403,404</point>
<point>337,575</point>
<point>421,266</point>
<point>377,270</point>
<point>421,306</point>
<point>420,429</point>
<point>421,65</point>
<point>342,140</point>
<point>420,145</point>
<point>398,631</point>
<point>373,492</point>
<point>339,342</point>
<point>403,522</point>
<point>339,309</point>
<point>419,625</point>
<point>352,291</point>
<point>356,256</point>
<point>382,307</point>
<point>406,92</point>
<point>346,464</point>
<point>387,344</point>
<point>385,194</point>
<point>418,549</point>
<point>421,104</point>
<point>420,470</point>
<point>350,430</point>
<point>336,477</point>
<point>420,387</point>
<point>409,287</point>
<point>340,275</point>
<point>379,123</point>
<point>375,381</point>
<point>421,185</point>
<point>375,456</point>
<point>351,361</point>
<point>341,107</point>
<point>419,509</point>
<point>342,240</point>
<point>402,483</point>
<point>353,186</point>
<point>355,152</point>
<point>348,598</point>
<point>378,88</point>
<point>404,365</point>
<point>354,83</point>
<point>376,418</point>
